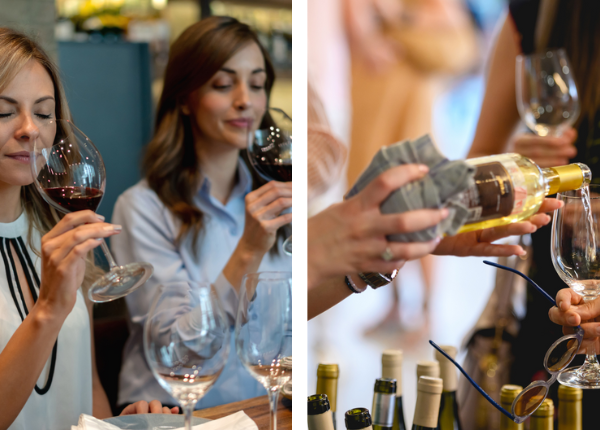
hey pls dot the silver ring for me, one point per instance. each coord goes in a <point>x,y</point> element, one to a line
<point>387,254</point>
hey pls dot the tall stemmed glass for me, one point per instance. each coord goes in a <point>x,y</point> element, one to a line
<point>546,92</point>
<point>270,153</point>
<point>263,331</point>
<point>186,341</point>
<point>576,258</point>
<point>69,173</point>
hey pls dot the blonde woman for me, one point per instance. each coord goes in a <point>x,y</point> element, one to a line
<point>47,365</point>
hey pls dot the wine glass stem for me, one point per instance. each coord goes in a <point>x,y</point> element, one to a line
<point>188,411</point>
<point>273,398</point>
<point>108,255</point>
<point>590,358</point>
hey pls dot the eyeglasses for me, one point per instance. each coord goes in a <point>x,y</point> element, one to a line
<point>558,357</point>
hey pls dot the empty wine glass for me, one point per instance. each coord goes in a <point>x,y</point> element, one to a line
<point>186,341</point>
<point>270,152</point>
<point>263,331</point>
<point>69,173</point>
<point>576,258</point>
<point>546,92</point>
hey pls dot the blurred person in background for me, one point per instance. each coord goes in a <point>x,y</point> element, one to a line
<point>400,49</point>
<point>201,213</point>
<point>47,361</point>
<point>533,26</point>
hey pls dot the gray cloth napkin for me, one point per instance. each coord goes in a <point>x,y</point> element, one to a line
<point>441,187</point>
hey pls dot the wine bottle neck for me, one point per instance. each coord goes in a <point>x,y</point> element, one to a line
<point>565,178</point>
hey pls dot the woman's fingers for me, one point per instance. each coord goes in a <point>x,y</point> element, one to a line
<point>156,407</point>
<point>574,313</point>
<point>274,193</point>
<point>140,407</point>
<point>63,245</point>
<point>175,410</point>
<point>72,220</point>
<point>273,209</point>
<point>280,221</point>
<point>284,187</point>
<point>390,180</point>
<point>550,205</point>
<point>565,298</point>
<point>406,222</point>
<point>410,251</point>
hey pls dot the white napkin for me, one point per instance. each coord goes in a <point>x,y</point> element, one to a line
<point>237,421</point>
<point>87,422</point>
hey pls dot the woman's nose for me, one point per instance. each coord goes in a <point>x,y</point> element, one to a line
<point>27,129</point>
<point>242,98</point>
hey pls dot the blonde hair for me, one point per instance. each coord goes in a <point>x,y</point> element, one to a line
<point>16,50</point>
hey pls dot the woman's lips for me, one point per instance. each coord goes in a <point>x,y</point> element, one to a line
<point>22,157</point>
<point>240,123</point>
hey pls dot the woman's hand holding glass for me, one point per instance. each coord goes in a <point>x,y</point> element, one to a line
<point>264,217</point>
<point>64,250</point>
<point>547,151</point>
<point>154,407</point>
<point>571,310</point>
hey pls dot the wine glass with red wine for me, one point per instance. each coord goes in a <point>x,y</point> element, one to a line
<point>270,152</point>
<point>69,173</point>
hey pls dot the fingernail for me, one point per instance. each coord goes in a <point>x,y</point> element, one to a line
<point>598,330</point>
<point>100,217</point>
<point>572,320</point>
<point>113,227</point>
<point>523,253</point>
<point>423,168</point>
<point>445,213</point>
<point>99,239</point>
<point>438,239</point>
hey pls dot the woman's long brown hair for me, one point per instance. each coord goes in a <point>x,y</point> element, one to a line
<point>16,50</point>
<point>171,164</point>
<point>573,25</point>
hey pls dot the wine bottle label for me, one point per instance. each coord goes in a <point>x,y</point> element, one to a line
<point>499,190</point>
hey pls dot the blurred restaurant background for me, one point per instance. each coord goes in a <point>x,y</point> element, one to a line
<point>112,56</point>
<point>439,298</point>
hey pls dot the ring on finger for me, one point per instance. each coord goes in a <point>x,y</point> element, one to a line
<point>387,254</point>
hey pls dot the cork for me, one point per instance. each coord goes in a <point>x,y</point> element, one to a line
<point>429,395</point>
<point>428,368</point>
<point>447,369</point>
<point>391,367</point>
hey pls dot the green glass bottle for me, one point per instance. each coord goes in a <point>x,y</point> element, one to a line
<point>358,419</point>
<point>384,396</point>
<point>327,382</point>
<point>448,418</point>
<point>391,368</point>
<point>319,413</point>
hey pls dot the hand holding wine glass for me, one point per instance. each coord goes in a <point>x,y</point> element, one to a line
<point>186,341</point>
<point>69,173</point>
<point>270,152</point>
<point>263,331</point>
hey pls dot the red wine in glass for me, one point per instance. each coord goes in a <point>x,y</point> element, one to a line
<point>69,173</point>
<point>75,198</point>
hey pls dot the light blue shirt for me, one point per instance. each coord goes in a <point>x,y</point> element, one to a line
<point>149,234</point>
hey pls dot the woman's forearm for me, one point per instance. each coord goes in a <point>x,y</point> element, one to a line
<point>242,261</point>
<point>23,358</point>
<point>326,295</point>
<point>101,407</point>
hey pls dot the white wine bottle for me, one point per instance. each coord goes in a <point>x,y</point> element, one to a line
<point>429,394</point>
<point>358,419</point>
<point>448,418</point>
<point>428,368</point>
<point>384,396</point>
<point>543,417</point>
<point>569,408</point>
<point>327,383</point>
<point>509,188</point>
<point>319,413</point>
<point>391,368</point>
<point>508,394</point>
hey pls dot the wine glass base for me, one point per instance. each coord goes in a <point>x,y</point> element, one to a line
<point>589,379</point>
<point>119,282</point>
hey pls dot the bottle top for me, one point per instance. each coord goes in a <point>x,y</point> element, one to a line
<point>569,393</point>
<point>428,384</point>
<point>358,418</point>
<point>385,386</point>
<point>447,369</point>
<point>571,177</point>
<point>428,368</point>
<point>391,357</point>
<point>328,371</point>
<point>509,393</point>
<point>546,409</point>
<point>318,404</point>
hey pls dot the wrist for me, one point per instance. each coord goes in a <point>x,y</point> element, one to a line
<point>44,316</point>
<point>355,284</point>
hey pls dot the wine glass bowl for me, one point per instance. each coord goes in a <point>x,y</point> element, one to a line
<point>186,341</point>
<point>546,93</point>
<point>270,152</point>
<point>576,258</point>
<point>70,175</point>
<point>263,331</point>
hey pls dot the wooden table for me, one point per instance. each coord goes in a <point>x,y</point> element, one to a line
<point>257,409</point>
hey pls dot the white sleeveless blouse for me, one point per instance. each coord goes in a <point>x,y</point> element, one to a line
<point>70,391</point>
